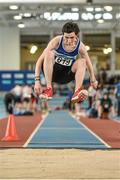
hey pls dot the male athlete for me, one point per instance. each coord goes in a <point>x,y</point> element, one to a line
<point>60,64</point>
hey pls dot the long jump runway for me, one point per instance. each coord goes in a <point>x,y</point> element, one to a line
<point>60,130</point>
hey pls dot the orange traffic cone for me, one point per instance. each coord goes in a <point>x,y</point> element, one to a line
<point>10,134</point>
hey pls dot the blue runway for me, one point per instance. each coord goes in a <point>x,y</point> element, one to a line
<point>60,130</point>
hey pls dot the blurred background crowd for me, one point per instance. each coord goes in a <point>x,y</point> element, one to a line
<point>104,102</point>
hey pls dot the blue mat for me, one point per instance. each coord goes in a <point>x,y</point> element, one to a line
<point>60,130</point>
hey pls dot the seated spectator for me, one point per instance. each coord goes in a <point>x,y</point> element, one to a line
<point>105,107</point>
<point>93,111</point>
<point>118,97</point>
<point>9,100</point>
<point>17,92</point>
<point>26,97</point>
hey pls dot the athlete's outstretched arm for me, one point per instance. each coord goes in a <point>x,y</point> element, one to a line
<point>51,45</point>
<point>84,54</point>
<point>39,64</point>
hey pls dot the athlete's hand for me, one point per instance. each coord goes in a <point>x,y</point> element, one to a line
<point>37,87</point>
<point>94,84</point>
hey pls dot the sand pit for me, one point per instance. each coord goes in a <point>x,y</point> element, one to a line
<point>59,164</point>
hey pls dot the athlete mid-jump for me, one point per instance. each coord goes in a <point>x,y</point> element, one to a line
<point>61,65</point>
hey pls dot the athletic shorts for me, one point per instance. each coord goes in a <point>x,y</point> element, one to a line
<point>62,74</point>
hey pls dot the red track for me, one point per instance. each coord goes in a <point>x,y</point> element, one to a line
<point>108,130</point>
<point>25,125</point>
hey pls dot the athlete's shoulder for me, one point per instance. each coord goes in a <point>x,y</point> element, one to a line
<point>55,42</point>
<point>82,46</point>
<point>57,38</point>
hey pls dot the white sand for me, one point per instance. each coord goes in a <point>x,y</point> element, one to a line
<point>59,164</point>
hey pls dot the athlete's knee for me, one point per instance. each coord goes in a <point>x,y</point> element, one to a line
<point>82,61</point>
<point>80,64</point>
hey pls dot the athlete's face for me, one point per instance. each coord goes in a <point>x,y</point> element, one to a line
<point>70,39</point>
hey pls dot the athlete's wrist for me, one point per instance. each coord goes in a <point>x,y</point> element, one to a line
<point>37,83</point>
<point>37,78</point>
<point>93,81</point>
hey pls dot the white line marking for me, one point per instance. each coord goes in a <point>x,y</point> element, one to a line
<point>91,131</point>
<point>66,141</point>
<point>48,128</point>
<point>118,121</point>
<point>36,129</point>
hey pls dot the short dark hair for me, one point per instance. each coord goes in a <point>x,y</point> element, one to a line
<point>70,27</point>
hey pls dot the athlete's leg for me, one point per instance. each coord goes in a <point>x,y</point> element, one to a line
<point>79,68</point>
<point>48,72</point>
<point>48,67</point>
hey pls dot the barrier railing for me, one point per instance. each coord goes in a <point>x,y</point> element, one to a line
<point>8,79</point>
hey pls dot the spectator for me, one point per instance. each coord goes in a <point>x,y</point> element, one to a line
<point>105,107</point>
<point>17,92</point>
<point>26,97</point>
<point>9,100</point>
<point>118,97</point>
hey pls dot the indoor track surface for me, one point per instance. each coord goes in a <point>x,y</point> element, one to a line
<point>59,129</point>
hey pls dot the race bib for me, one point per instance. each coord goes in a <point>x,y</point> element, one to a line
<point>63,61</point>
